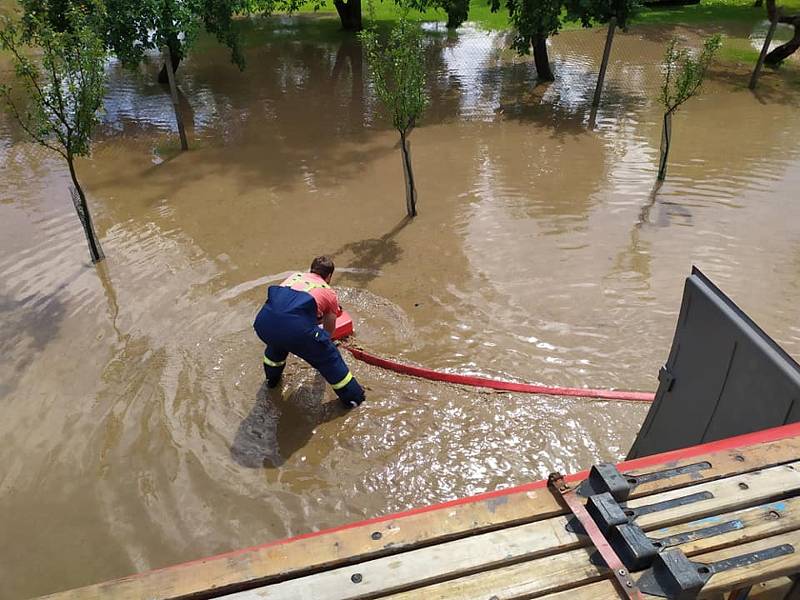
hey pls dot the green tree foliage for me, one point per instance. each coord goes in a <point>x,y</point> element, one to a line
<point>684,73</point>
<point>131,28</point>
<point>457,10</point>
<point>397,67</point>
<point>589,12</point>
<point>533,21</point>
<point>60,94</point>
<point>536,20</point>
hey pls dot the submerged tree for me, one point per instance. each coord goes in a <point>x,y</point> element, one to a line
<point>615,13</point>
<point>457,10</point>
<point>131,28</point>
<point>534,21</point>
<point>683,78</point>
<point>397,67</point>
<point>349,12</point>
<point>64,91</point>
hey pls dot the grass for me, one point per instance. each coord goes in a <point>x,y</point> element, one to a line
<point>737,50</point>
<point>711,12</point>
<point>707,12</point>
<point>387,11</point>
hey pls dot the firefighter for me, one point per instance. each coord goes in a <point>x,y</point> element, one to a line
<point>289,323</point>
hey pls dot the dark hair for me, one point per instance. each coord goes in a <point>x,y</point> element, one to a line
<point>322,266</point>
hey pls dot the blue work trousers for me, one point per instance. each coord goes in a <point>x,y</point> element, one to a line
<point>288,323</point>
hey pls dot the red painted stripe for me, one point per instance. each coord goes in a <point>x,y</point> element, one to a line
<point>748,439</point>
<point>496,384</point>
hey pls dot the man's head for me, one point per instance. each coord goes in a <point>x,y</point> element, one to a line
<point>323,266</point>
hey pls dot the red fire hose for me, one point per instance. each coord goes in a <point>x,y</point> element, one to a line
<point>509,386</point>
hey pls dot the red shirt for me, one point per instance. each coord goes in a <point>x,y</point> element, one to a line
<point>324,296</point>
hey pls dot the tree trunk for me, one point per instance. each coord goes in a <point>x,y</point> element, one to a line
<point>408,175</point>
<point>82,208</point>
<point>177,55</point>
<point>349,14</point>
<point>601,77</point>
<point>173,92</point>
<point>764,49</point>
<point>457,13</point>
<point>666,139</point>
<point>543,70</point>
<point>784,51</point>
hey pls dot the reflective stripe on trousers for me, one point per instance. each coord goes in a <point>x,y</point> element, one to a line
<point>345,380</point>
<point>271,363</point>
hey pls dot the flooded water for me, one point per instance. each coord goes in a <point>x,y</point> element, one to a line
<point>136,431</point>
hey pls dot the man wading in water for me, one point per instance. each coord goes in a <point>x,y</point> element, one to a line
<point>288,322</point>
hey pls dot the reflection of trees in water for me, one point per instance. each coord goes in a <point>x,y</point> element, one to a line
<point>547,173</point>
<point>303,111</point>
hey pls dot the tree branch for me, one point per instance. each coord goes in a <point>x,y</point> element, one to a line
<point>27,128</point>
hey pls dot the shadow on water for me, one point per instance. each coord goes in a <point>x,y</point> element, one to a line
<point>766,93</point>
<point>279,425</point>
<point>302,107</point>
<point>370,255</point>
<point>33,321</point>
<point>665,210</point>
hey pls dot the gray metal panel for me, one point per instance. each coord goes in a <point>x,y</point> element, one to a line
<point>724,377</point>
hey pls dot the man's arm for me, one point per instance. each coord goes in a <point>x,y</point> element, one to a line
<point>329,322</point>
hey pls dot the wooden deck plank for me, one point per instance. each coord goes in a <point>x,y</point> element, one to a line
<point>457,558</point>
<point>283,559</point>
<point>720,582</point>
<point>601,590</point>
<point>549,574</point>
<point>728,493</point>
<point>775,589</point>
<point>752,574</point>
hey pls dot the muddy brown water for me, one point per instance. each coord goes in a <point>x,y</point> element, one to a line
<point>135,429</point>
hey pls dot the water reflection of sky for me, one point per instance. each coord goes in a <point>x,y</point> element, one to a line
<point>134,99</point>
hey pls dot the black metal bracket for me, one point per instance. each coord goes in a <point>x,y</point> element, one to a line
<point>698,534</point>
<point>647,509</point>
<point>691,469</point>
<point>637,550</point>
<point>607,512</point>
<point>605,477</point>
<point>676,577</point>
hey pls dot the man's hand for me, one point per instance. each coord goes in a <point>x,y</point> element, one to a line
<point>329,323</point>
